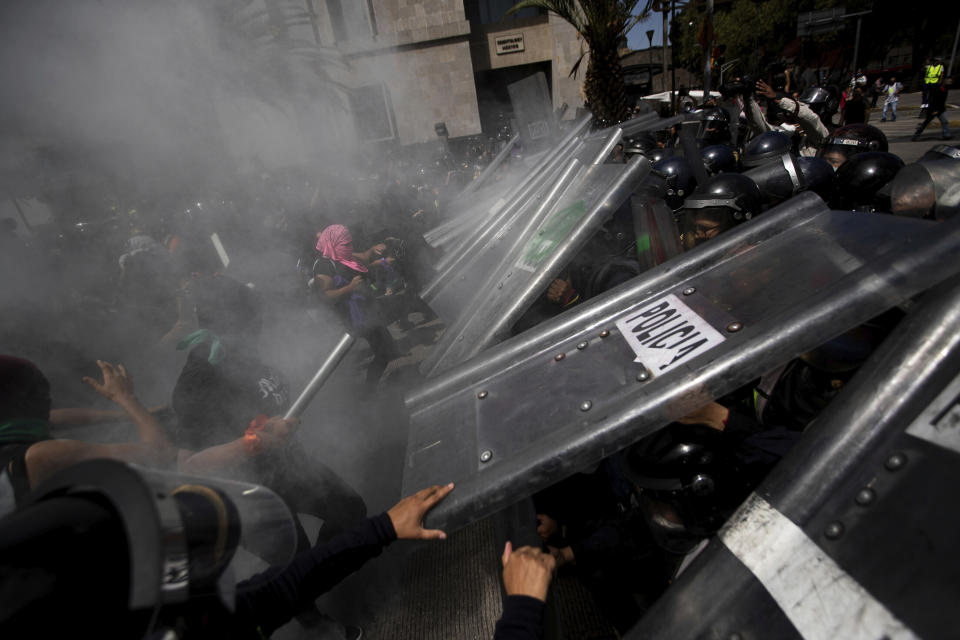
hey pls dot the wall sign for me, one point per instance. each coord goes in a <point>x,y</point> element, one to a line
<point>509,44</point>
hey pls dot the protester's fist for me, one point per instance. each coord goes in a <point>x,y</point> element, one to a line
<point>407,515</point>
<point>527,571</point>
<point>116,384</point>
<point>559,290</point>
<point>276,431</point>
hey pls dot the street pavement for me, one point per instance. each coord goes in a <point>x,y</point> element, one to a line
<point>900,131</point>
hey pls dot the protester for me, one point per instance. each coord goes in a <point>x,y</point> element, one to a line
<point>342,278</point>
<point>802,119</point>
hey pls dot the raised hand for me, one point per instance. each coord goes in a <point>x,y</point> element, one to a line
<point>116,385</point>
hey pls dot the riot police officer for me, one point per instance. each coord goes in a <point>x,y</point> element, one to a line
<point>849,140</point>
<point>719,204</point>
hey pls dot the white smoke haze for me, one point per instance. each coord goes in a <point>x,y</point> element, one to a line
<point>199,116</point>
<point>115,105</point>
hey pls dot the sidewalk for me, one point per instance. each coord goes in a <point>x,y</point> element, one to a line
<point>900,131</point>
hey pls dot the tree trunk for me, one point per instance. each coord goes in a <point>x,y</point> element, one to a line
<point>604,87</point>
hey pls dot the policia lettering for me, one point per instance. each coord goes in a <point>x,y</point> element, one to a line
<point>667,332</point>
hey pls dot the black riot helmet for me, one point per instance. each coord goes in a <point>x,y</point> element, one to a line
<point>927,189</point>
<point>849,140</point>
<point>768,146</point>
<point>657,154</point>
<point>941,152</point>
<point>642,143</point>
<point>734,192</point>
<point>860,179</point>
<point>719,158</point>
<point>717,205</point>
<point>817,174</point>
<point>690,482</point>
<point>824,101</point>
<point>714,126</point>
<point>679,180</point>
<point>780,178</point>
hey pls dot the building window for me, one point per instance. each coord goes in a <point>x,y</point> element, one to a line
<point>491,11</point>
<point>372,113</point>
<point>351,20</point>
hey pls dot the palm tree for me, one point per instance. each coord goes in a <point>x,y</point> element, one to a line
<point>602,24</point>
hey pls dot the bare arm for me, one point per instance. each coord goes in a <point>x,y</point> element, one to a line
<point>43,459</point>
<point>78,415</point>
<point>275,433</point>
<point>212,459</point>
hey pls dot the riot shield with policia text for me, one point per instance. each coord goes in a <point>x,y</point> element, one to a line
<point>850,535</point>
<point>562,396</point>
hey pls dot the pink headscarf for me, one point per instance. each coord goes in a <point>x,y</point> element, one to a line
<point>336,243</point>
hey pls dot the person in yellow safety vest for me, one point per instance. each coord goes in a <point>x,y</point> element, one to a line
<point>932,75</point>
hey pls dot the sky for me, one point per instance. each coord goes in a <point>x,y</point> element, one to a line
<point>637,37</point>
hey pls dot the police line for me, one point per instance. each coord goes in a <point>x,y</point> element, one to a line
<point>562,396</point>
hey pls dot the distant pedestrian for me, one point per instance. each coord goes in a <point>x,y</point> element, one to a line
<point>932,77</point>
<point>937,108</point>
<point>893,97</point>
<point>859,80</point>
<point>876,90</point>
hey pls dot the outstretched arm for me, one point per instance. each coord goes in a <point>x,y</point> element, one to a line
<point>118,387</point>
<point>269,600</point>
<point>275,433</point>
<point>154,449</point>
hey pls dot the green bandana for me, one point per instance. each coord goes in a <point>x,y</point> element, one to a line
<point>200,337</point>
<point>20,430</point>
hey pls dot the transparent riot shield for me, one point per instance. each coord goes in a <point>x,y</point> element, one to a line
<point>509,276</point>
<point>558,398</point>
<point>461,278</point>
<point>658,239</point>
<point>491,169</point>
<point>518,196</point>
<point>470,213</point>
<point>926,189</point>
<point>850,535</point>
<point>533,109</point>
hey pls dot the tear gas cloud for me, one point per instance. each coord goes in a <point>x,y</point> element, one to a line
<point>125,117</point>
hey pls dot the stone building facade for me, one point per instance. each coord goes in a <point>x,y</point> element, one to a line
<point>413,64</point>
